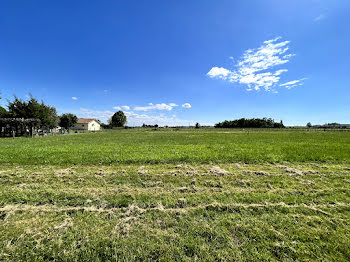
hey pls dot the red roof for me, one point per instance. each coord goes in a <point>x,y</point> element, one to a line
<point>85,120</point>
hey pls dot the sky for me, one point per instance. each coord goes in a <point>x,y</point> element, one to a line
<point>180,62</point>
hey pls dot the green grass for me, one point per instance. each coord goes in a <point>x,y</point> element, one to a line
<point>212,195</point>
<point>139,146</point>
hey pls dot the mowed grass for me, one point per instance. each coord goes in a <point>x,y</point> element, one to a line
<point>207,195</point>
<point>138,146</point>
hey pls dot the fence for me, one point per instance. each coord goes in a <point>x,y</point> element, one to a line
<point>30,127</point>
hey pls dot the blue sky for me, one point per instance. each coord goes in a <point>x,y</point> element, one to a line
<point>180,62</point>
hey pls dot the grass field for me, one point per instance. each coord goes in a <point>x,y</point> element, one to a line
<point>187,195</point>
<point>138,146</point>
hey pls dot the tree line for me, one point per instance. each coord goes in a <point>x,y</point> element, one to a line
<point>250,123</point>
<point>329,126</point>
<point>27,117</point>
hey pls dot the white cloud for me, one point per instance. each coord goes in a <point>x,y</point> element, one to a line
<point>186,105</point>
<point>135,119</point>
<point>293,83</point>
<point>219,72</point>
<point>278,72</point>
<point>256,68</point>
<point>319,18</point>
<point>74,98</point>
<point>102,115</point>
<point>151,106</point>
<point>121,107</point>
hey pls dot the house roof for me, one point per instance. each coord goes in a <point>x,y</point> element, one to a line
<point>85,120</point>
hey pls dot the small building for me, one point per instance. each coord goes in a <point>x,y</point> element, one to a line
<point>87,124</point>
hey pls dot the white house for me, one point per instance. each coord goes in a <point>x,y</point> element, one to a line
<point>87,124</point>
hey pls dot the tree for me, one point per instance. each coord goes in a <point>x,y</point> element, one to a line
<point>3,112</point>
<point>105,126</point>
<point>250,123</point>
<point>68,120</point>
<point>118,119</point>
<point>309,125</point>
<point>197,125</point>
<point>33,109</point>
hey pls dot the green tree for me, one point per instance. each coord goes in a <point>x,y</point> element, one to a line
<point>3,111</point>
<point>105,126</point>
<point>309,125</point>
<point>250,123</point>
<point>118,119</point>
<point>68,120</point>
<point>197,125</point>
<point>47,115</point>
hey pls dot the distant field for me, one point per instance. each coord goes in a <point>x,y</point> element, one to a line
<point>173,146</point>
<point>185,195</point>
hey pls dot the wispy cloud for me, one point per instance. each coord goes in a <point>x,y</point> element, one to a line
<point>102,115</point>
<point>320,17</point>
<point>257,67</point>
<point>162,120</point>
<point>293,83</point>
<point>121,107</point>
<point>186,105</point>
<point>135,119</point>
<point>74,98</point>
<point>151,106</point>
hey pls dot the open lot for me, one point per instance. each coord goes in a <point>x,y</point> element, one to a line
<point>141,146</point>
<point>204,194</point>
